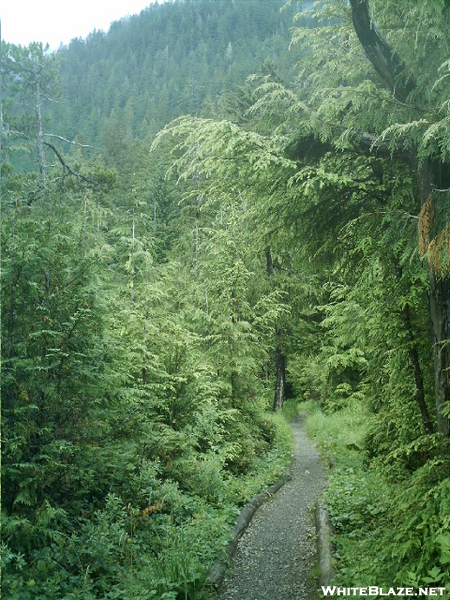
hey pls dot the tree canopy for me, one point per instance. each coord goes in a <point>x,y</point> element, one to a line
<point>206,212</point>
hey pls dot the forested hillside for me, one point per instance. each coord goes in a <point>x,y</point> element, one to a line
<point>172,59</point>
<point>210,205</point>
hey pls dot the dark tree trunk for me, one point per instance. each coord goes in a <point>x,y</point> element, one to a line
<point>387,63</point>
<point>439,301</point>
<point>429,176</point>
<point>269,263</point>
<point>415,362</point>
<point>392,70</point>
<point>418,378</point>
<point>280,360</point>
<point>280,363</point>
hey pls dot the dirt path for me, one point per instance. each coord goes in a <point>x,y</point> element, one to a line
<point>278,549</point>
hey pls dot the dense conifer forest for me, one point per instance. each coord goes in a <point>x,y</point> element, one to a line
<point>213,213</point>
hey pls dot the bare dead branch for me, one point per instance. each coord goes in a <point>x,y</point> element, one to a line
<point>73,142</point>
<point>66,166</point>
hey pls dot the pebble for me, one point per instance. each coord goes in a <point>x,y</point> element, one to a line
<point>276,553</point>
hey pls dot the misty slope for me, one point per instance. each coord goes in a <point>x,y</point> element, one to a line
<point>169,60</point>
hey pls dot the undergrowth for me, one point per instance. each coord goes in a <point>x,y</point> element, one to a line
<point>388,532</point>
<point>163,551</point>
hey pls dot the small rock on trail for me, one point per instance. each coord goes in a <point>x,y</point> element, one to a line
<point>278,549</point>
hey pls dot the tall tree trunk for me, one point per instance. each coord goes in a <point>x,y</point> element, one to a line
<point>280,364</point>
<point>415,362</point>
<point>418,378</point>
<point>439,302</point>
<point>280,360</point>
<point>391,68</point>
<point>39,133</point>
<point>269,263</point>
<point>428,177</point>
<point>388,64</point>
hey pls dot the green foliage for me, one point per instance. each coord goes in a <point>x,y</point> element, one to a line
<point>30,76</point>
<point>131,431</point>
<point>172,59</point>
<point>343,219</point>
<point>391,531</point>
<point>141,314</point>
<point>136,418</point>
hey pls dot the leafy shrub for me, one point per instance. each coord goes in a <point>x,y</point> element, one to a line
<point>391,532</point>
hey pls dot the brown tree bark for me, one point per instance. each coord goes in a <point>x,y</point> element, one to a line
<point>439,304</point>
<point>415,362</point>
<point>392,70</point>
<point>387,63</point>
<point>280,387</point>
<point>429,176</point>
<point>280,359</point>
<point>418,378</point>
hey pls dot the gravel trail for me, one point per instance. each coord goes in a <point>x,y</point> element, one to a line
<point>275,554</point>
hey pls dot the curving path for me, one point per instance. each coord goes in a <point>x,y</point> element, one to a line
<point>278,549</point>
